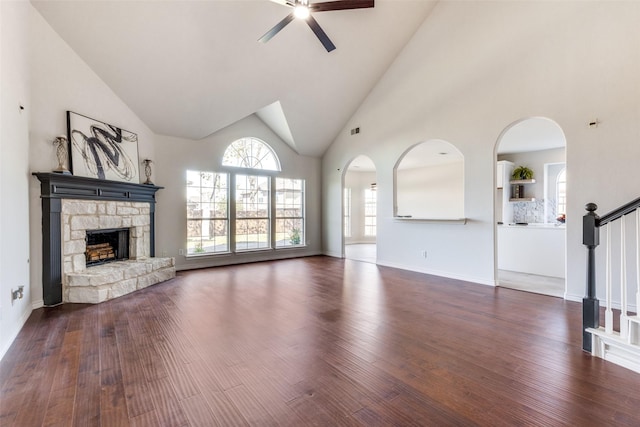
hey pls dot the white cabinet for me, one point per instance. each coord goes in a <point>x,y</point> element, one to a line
<point>500,175</point>
<point>532,249</point>
<point>504,169</point>
<point>504,210</point>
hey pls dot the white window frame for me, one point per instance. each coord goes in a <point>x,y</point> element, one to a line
<point>370,212</point>
<point>205,219</point>
<point>347,212</point>
<point>561,192</point>
<point>300,236</point>
<point>233,172</point>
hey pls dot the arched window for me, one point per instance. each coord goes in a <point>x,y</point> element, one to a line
<point>251,153</point>
<point>245,210</point>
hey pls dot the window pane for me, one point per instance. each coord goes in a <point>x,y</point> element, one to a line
<point>370,212</point>
<point>347,212</point>
<point>289,212</point>
<point>289,232</point>
<point>251,153</point>
<point>561,193</point>
<point>252,212</point>
<point>193,178</point>
<point>252,234</point>
<point>207,199</point>
<point>208,236</point>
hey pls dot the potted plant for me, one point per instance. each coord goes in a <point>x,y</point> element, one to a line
<point>294,236</point>
<point>521,173</point>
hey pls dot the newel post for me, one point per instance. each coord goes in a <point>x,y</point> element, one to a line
<point>590,304</point>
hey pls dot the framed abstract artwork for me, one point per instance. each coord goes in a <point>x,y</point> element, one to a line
<point>100,150</point>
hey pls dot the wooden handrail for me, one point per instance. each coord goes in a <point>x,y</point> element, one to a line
<point>619,212</point>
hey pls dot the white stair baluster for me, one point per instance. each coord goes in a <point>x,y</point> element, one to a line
<point>608,313</point>
<point>637,261</point>
<point>624,323</point>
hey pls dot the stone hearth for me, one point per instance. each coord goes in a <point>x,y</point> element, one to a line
<point>104,282</point>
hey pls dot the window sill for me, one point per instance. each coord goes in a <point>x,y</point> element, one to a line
<point>207,254</point>
<point>243,252</point>
<point>454,221</point>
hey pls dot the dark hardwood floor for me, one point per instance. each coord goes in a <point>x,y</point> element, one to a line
<point>313,341</point>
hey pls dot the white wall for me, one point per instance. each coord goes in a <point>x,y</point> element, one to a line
<point>14,169</point>
<point>358,182</point>
<point>435,191</point>
<point>61,81</point>
<point>471,70</point>
<point>174,156</point>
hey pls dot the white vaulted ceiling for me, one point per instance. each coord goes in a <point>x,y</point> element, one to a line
<point>191,68</point>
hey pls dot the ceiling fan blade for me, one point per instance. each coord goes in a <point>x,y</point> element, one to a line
<point>340,5</point>
<point>290,3</point>
<point>276,29</point>
<point>319,32</point>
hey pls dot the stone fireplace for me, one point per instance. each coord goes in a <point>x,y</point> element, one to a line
<point>76,209</point>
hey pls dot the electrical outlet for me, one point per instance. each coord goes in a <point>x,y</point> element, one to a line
<point>424,254</point>
<point>180,251</point>
<point>17,294</point>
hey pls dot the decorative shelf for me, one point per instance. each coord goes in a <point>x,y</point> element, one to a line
<point>459,221</point>
<point>522,181</point>
<point>523,199</point>
<point>60,186</point>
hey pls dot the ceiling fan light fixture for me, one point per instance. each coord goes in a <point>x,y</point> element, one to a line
<point>301,11</point>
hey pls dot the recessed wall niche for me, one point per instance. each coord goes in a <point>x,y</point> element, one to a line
<point>429,182</point>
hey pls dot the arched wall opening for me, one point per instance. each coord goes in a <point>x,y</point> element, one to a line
<point>429,182</point>
<point>530,235</point>
<point>359,210</point>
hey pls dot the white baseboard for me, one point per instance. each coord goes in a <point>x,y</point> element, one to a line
<point>449,275</point>
<point>246,258</point>
<point>573,297</point>
<point>614,304</point>
<point>333,254</point>
<point>15,333</point>
<point>37,304</point>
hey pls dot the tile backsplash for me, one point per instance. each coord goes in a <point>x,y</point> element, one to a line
<point>533,212</point>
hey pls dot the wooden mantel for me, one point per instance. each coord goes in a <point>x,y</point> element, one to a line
<point>53,188</point>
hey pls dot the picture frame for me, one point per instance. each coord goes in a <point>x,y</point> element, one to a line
<point>100,150</point>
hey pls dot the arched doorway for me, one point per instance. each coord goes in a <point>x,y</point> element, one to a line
<point>359,210</point>
<point>530,198</point>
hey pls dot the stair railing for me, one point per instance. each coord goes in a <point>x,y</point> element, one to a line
<point>591,225</point>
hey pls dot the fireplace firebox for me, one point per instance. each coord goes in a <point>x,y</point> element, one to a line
<point>107,245</point>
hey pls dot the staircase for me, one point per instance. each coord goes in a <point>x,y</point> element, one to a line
<point>617,338</point>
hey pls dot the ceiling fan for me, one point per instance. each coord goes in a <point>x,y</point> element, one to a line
<point>302,9</point>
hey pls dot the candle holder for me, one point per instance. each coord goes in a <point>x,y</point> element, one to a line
<point>147,171</point>
<point>61,145</point>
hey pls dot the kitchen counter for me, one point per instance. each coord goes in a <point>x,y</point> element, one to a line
<point>536,226</point>
<point>533,248</point>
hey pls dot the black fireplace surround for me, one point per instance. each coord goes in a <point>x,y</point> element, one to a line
<point>55,187</point>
